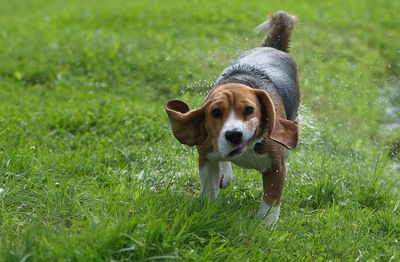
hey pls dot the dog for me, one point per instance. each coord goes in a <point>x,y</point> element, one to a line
<point>248,118</point>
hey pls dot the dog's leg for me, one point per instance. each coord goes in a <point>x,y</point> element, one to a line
<point>210,178</point>
<point>225,174</point>
<point>273,181</point>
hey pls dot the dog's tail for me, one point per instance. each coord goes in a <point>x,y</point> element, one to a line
<point>280,26</point>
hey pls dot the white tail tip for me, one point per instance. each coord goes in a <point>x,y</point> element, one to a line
<point>264,27</point>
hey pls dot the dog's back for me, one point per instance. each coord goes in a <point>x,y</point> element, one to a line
<point>270,67</point>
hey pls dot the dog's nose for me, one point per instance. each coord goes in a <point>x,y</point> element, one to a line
<point>234,136</point>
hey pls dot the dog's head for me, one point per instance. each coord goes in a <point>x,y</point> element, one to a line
<point>232,117</point>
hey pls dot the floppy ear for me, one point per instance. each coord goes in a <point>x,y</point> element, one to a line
<point>187,125</point>
<point>280,130</point>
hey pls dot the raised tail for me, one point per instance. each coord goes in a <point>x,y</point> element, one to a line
<point>280,26</point>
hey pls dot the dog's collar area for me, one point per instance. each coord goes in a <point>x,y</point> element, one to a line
<point>242,81</point>
<point>230,80</point>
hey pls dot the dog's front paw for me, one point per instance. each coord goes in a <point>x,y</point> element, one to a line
<point>224,182</point>
<point>211,194</point>
<point>225,174</point>
<point>270,214</point>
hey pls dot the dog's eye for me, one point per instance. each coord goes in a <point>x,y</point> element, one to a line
<point>216,113</point>
<point>248,111</point>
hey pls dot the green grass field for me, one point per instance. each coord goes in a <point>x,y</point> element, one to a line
<point>89,169</point>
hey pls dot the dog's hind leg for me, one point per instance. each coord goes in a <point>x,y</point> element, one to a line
<point>225,174</point>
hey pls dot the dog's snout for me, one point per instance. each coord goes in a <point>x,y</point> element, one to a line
<point>234,136</point>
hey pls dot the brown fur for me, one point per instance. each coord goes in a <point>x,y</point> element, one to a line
<point>198,127</point>
<point>274,177</point>
<point>192,127</point>
<point>281,26</point>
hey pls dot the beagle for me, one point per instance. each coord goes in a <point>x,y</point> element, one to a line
<point>248,117</point>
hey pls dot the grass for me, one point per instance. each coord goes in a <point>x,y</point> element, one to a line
<point>89,169</point>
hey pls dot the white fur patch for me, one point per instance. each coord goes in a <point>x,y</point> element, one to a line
<point>271,214</point>
<point>251,160</point>
<point>264,27</point>
<point>209,179</point>
<point>225,174</point>
<point>234,123</point>
<point>247,159</point>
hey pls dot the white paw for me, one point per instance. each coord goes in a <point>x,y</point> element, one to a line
<point>226,177</point>
<point>211,194</point>
<point>209,180</point>
<point>270,214</point>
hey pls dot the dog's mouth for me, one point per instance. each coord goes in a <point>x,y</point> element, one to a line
<point>237,151</point>
<point>241,148</point>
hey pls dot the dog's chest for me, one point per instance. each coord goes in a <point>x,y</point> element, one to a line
<point>248,159</point>
<point>251,160</point>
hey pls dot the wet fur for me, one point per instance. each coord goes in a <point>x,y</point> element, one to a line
<point>265,149</point>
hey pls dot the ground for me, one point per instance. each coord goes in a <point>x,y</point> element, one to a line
<point>89,168</point>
